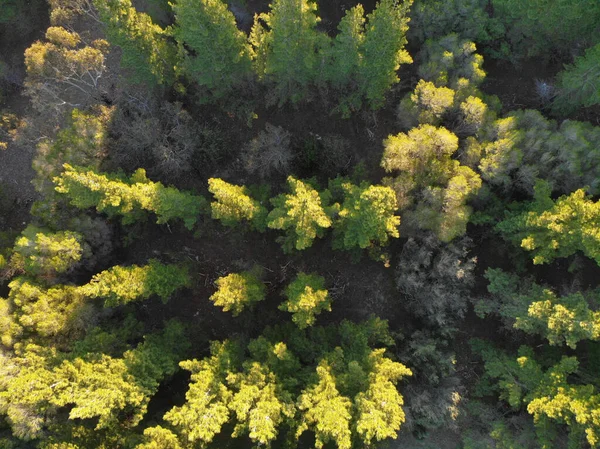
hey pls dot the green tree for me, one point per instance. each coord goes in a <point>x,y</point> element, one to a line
<point>537,309</point>
<point>325,411</point>
<point>306,297</point>
<point>383,49</point>
<point>549,394</point>
<point>214,52</point>
<point>287,50</point>
<point>366,217</point>
<point>233,205</point>
<point>552,229</point>
<point>120,285</point>
<point>579,83</point>
<point>159,438</point>
<point>147,54</point>
<point>128,197</point>
<point>304,214</point>
<point>43,253</point>
<point>238,291</point>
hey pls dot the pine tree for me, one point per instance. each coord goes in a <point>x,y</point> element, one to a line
<point>579,83</point>
<point>233,205</point>
<point>290,47</point>
<point>551,229</point>
<point>214,51</point>
<point>383,49</point>
<point>128,197</point>
<point>325,411</point>
<point>238,291</point>
<point>147,54</point>
<point>306,297</point>
<point>43,253</point>
<point>366,217</point>
<point>304,214</point>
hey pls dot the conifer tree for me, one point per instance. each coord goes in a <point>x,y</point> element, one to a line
<point>579,83</point>
<point>325,411</point>
<point>303,214</point>
<point>238,291</point>
<point>290,47</point>
<point>43,253</point>
<point>147,54</point>
<point>213,50</point>
<point>233,205</point>
<point>551,229</point>
<point>306,298</point>
<point>366,217</point>
<point>383,49</point>
<point>128,197</point>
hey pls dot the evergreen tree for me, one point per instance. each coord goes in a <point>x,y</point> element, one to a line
<point>290,47</point>
<point>233,205</point>
<point>304,214</point>
<point>40,252</point>
<point>214,51</point>
<point>579,83</point>
<point>147,54</point>
<point>238,291</point>
<point>383,49</point>
<point>128,197</point>
<point>551,229</point>
<point>366,217</point>
<point>306,298</point>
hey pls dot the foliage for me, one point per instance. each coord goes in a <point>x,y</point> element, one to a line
<point>440,184</point>
<point>121,285</point>
<point>551,229</point>
<point>579,83</point>
<point>383,49</point>
<point>233,205</point>
<point>147,55</point>
<point>238,291</point>
<point>366,217</point>
<point>340,389</point>
<point>304,214</point>
<point>306,298</point>
<point>63,71</point>
<point>96,386</point>
<point>537,309</point>
<point>531,26</point>
<point>213,52</point>
<point>128,196</point>
<point>42,253</point>
<point>291,68</point>
<point>548,394</point>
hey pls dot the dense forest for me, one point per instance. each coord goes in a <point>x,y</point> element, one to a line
<point>299,223</point>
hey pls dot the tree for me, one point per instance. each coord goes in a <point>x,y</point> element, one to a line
<point>42,253</point>
<point>213,51</point>
<point>343,59</point>
<point>553,395</point>
<point>551,229</point>
<point>233,205</point>
<point>62,72</point>
<point>426,105</point>
<point>147,54</point>
<point>325,411</point>
<point>306,297</point>
<point>304,214</point>
<point>366,217</point>
<point>383,49</point>
<point>128,197</point>
<point>120,285</point>
<point>537,309</point>
<point>238,291</point>
<point>579,83</point>
<point>287,49</point>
